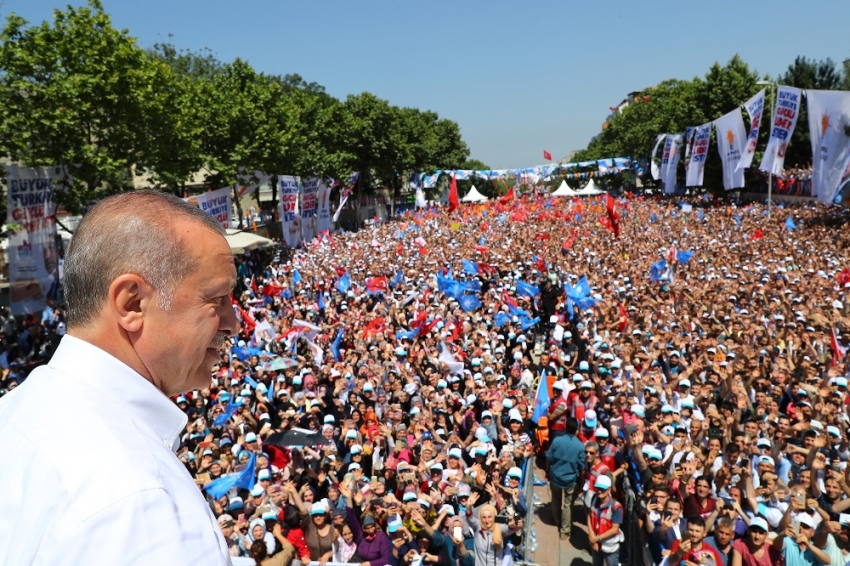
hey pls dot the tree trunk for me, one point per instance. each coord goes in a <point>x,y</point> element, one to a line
<point>238,206</point>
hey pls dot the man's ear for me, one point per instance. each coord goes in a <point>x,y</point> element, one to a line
<point>130,299</point>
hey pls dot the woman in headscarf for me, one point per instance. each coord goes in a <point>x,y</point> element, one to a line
<point>260,553</point>
<point>257,533</point>
<point>317,526</point>
<point>489,536</point>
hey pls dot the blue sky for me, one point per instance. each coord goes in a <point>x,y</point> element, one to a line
<point>518,76</point>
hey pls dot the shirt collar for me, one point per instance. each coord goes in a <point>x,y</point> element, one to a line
<point>146,404</point>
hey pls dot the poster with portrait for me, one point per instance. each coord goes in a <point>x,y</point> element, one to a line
<point>32,252</point>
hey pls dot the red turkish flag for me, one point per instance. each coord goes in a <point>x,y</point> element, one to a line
<point>454,202</point>
<point>757,235</point>
<point>624,318</point>
<point>509,196</point>
<point>400,249</point>
<point>547,155</point>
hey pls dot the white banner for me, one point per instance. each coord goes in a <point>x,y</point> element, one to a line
<point>689,141</point>
<point>323,218</point>
<point>420,198</point>
<point>339,210</point>
<point>674,153</point>
<point>785,115</point>
<point>217,204</point>
<point>665,157</point>
<point>290,220</point>
<point>731,142</point>
<point>32,252</point>
<point>829,115</point>
<point>308,208</point>
<point>699,153</point>
<point>653,165</point>
<point>754,107</point>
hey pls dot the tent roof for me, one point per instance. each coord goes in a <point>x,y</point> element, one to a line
<point>240,241</point>
<point>564,190</point>
<point>591,189</point>
<point>473,196</point>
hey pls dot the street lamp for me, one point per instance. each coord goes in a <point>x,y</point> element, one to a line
<point>771,86</point>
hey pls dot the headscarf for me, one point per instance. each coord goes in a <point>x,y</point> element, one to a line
<point>495,529</point>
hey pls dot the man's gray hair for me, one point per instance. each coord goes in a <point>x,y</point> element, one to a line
<point>132,232</point>
<point>593,445</point>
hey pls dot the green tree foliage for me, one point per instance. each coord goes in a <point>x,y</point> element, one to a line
<point>77,91</point>
<point>81,93</point>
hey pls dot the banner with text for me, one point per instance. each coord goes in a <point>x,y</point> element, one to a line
<point>323,218</point>
<point>785,115</point>
<point>308,208</point>
<point>290,220</point>
<point>32,250</point>
<point>699,153</point>
<point>731,142</point>
<point>653,166</point>
<point>673,153</point>
<point>665,157</point>
<point>755,107</point>
<point>829,120</point>
<point>689,145</point>
<point>218,205</point>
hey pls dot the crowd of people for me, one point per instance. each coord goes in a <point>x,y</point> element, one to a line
<point>794,181</point>
<point>443,355</point>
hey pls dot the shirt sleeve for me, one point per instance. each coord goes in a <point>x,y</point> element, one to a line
<point>617,515</point>
<point>146,527</point>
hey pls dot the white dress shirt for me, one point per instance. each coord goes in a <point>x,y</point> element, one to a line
<point>89,474</point>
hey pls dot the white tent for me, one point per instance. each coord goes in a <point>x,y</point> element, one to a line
<point>590,189</point>
<point>240,241</point>
<point>473,196</point>
<point>564,190</point>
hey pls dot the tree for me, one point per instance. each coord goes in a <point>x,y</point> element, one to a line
<point>81,93</point>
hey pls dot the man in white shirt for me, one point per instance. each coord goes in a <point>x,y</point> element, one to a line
<point>90,475</point>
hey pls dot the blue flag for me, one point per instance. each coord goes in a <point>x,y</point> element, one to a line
<point>482,240</point>
<point>789,224</point>
<point>335,346</point>
<point>244,479</point>
<point>469,302</point>
<point>578,217</point>
<point>700,215</point>
<point>407,334</point>
<point>470,267</point>
<point>344,283</point>
<point>245,353</point>
<point>541,401</point>
<point>501,319</point>
<point>738,219</point>
<point>527,289</point>
<point>321,302</point>
<point>585,303</point>
<point>296,277</point>
<point>473,285</point>
<point>250,381</point>
<point>396,281</point>
<point>516,311</point>
<point>657,271</point>
<point>582,289</point>
<point>527,323</point>
<point>684,257</point>
<point>652,217</point>
<point>229,410</point>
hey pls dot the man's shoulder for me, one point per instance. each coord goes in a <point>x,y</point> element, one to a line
<point>75,441</point>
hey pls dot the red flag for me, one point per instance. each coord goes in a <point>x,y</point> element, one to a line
<point>377,284</point>
<point>481,249</point>
<point>671,254</point>
<point>453,200</point>
<point>420,319</point>
<point>541,265</point>
<point>757,235</point>
<point>541,237</point>
<point>457,330</point>
<point>568,243</point>
<point>547,155</point>
<point>272,290</point>
<point>837,350</point>
<point>248,322</point>
<point>843,278</point>
<point>485,226</point>
<point>613,216</point>
<point>400,249</point>
<point>486,269</point>
<point>254,286</point>
<point>340,271</point>
<point>422,249</point>
<point>508,300</point>
<point>507,198</point>
<point>376,326</point>
<point>624,318</point>
<point>426,328</point>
